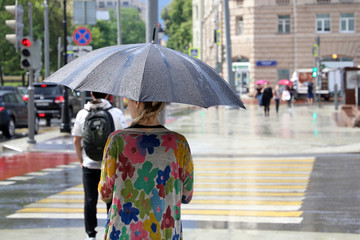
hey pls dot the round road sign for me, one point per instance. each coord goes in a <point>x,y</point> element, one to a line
<point>82,36</point>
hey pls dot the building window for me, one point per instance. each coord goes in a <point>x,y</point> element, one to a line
<point>322,23</point>
<point>347,23</point>
<point>239,2</point>
<point>282,2</point>
<point>239,26</point>
<point>323,1</point>
<point>284,24</point>
<point>101,4</point>
<point>283,74</point>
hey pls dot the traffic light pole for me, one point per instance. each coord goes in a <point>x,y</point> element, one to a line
<point>65,118</point>
<point>31,110</point>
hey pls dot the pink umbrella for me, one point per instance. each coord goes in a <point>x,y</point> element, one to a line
<point>262,81</point>
<point>285,82</point>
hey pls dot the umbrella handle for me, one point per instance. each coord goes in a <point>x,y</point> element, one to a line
<point>154,31</point>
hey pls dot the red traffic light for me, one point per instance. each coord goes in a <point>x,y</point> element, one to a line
<point>26,42</point>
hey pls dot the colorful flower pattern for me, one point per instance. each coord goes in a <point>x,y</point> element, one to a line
<point>144,173</point>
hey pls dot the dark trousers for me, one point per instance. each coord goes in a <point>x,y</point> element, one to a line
<point>277,102</point>
<point>267,110</point>
<point>91,178</point>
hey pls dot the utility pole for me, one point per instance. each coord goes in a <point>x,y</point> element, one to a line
<point>295,43</point>
<point>151,19</point>
<point>119,43</point>
<point>46,39</point>
<point>31,110</point>
<point>228,46</point>
<point>65,118</point>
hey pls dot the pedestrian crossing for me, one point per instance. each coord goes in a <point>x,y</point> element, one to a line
<point>254,190</point>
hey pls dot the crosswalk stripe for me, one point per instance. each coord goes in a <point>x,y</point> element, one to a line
<point>229,173</point>
<point>253,160</point>
<point>251,180</point>
<point>253,169</point>
<point>250,186</point>
<point>230,193</point>
<point>259,190</point>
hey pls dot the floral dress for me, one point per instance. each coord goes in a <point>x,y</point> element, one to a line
<point>147,174</point>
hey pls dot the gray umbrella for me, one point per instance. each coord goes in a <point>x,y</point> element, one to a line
<point>147,72</point>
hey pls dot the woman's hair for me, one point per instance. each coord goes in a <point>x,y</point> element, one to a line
<point>150,110</point>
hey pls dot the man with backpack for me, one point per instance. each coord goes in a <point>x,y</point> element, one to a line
<point>92,126</point>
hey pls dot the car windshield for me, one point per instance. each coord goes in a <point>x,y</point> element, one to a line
<point>47,90</point>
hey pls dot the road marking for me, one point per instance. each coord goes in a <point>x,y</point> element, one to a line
<point>244,174</point>
<point>4,183</point>
<point>37,174</point>
<point>52,169</point>
<point>20,178</point>
<point>253,160</point>
<point>266,190</point>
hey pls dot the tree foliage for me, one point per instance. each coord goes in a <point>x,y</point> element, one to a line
<point>104,33</point>
<point>178,24</point>
<point>10,59</point>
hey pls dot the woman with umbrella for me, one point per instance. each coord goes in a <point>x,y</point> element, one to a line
<point>147,170</point>
<point>147,173</point>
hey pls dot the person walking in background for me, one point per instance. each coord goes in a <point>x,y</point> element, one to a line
<point>277,96</point>
<point>310,95</point>
<point>91,168</point>
<point>267,95</point>
<point>147,173</point>
<point>259,95</point>
<point>289,89</point>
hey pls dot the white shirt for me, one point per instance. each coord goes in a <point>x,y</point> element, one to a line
<point>119,123</point>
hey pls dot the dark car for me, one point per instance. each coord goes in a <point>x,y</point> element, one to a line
<point>14,113</point>
<point>10,89</point>
<point>49,100</point>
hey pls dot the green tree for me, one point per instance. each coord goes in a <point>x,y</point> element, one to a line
<point>10,59</point>
<point>178,24</point>
<point>104,33</point>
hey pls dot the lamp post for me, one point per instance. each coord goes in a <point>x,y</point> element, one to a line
<point>65,118</point>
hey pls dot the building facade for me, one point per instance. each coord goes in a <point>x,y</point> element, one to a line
<point>275,39</point>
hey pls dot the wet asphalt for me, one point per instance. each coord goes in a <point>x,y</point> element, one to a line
<point>332,197</point>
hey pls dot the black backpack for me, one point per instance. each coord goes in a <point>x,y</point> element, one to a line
<point>97,128</point>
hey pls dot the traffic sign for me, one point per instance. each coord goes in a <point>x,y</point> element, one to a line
<point>315,50</point>
<point>194,52</point>
<point>82,36</point>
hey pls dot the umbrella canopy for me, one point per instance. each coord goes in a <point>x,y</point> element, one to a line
<point>260,82</point>
<point>285,82</point>
<point>147,72</point>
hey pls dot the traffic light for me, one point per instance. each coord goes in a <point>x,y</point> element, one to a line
<point>30,53</point>
<point>16,24</point>
<point>25,61</point>
<point>314,74</point>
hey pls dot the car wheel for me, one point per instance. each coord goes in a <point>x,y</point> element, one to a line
<point>48,122</point>
<point>36,125</point>
<point>9,130</point>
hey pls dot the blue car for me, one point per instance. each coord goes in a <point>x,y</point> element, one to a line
<point>14,113</point>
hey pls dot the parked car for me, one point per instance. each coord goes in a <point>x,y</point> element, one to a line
<point>48,98</point>
<point>10,89</point>
<point>14,113</point>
